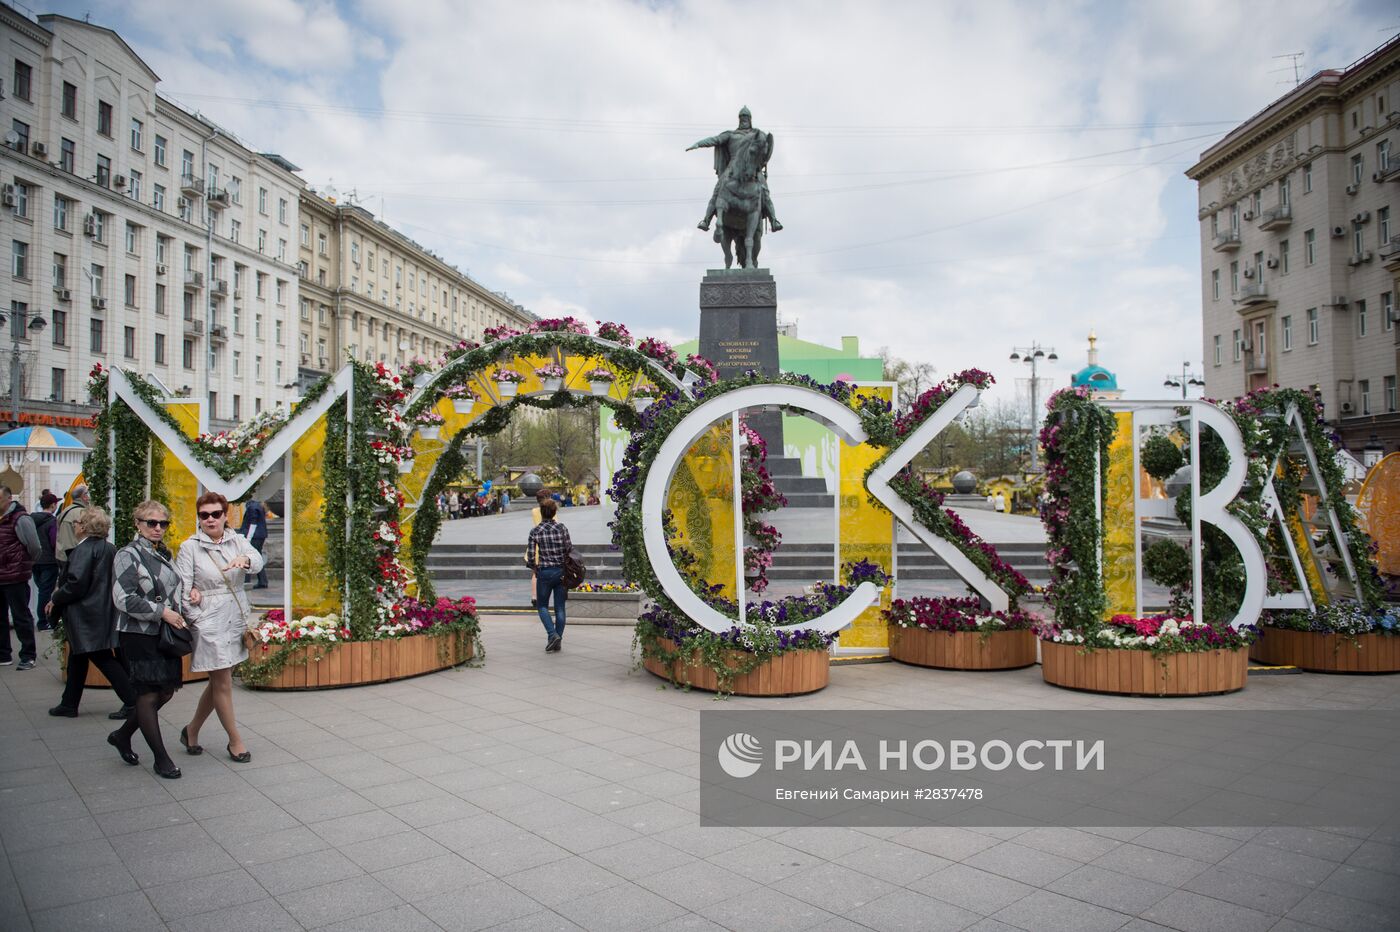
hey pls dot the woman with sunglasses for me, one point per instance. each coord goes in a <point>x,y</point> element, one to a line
<point>212,564</point>
<point>147,592</point>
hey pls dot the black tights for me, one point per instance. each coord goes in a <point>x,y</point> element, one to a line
<point>147,718</point>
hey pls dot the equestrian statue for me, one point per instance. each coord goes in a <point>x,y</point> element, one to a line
<point>740,199</point>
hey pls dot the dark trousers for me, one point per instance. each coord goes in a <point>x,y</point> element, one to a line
<point>45,578</point>
<point>257,543</point>
<point>549,581</point>
<point>14,609</point>
<point>109,663</point>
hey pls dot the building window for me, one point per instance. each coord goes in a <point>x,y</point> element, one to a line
<point>277,368</point>
<point>1259,266</point>
<point>305,235</point>
<point>281,298</point>
<point>129,290</point>
<point>1364,389</point>
<point>1312,326</point>
<point>1235,217</point>
<point>67,155</point>
<point>136,130</point>
<point>99,226</point>
<point>235,189</point>
<point>1361,317</point>
<point>237,319</point>
<point>305,309</point>
<point>19,259</point>
<point>282,210</point>
<point>257,326</point>
<point>160,151</point>
<point>1258,203</point>
<point>1390,393</point>
<point>1307,178</point>
<point>131,237</point>
<point>185,209</point>
<point>1235,277</point>
<point>262,201</point>
<point>1286,322</point>
<point>160,349</point>
<point>60,212</point>
<point>187,353</point>
<point>129,342</point>
<point>186,164</point>
<point>158,197</point>
<point>160,300</point>
<point>257,367</point>
<point>1387,310</point>
<point>1285,196</point>
<point>1383,155</point>
<point>1283,257</point>
<point>56,380</point>
<point>1238,341</point>
<point>1358,237</point>
<point>1309,247</point>
<point>321,243</point>
<point>1358,169</point>
<point>24,79</point>
<point>277,330</point>
<point>104,171</point>
<point>98,286</point>
<point>235,231</point>
<point>70,100</point>
<point>237,407</point>
<point>281,250</point>
<point>1383,225</point>
<point>104,118</point>
<point>304,343</point>
<point>237,363</point>
<point>133,189</point>
<point>21,207</point>
<point>262,242</point>
<point>60,327</point>
<point>60,270</point>
<point>95,335</point>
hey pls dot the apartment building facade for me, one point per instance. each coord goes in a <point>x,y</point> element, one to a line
<point>1299,211</point>
<point>142,235</point>
<point>370,293</point>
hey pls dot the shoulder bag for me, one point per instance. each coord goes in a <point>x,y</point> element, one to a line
<point>174,642</point>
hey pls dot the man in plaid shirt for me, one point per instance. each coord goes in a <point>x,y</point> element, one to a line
<point>545,551</point>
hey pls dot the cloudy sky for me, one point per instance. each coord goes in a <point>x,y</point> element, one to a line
<point>955,178</point>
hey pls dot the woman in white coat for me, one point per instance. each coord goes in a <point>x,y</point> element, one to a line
<point>212,565</point>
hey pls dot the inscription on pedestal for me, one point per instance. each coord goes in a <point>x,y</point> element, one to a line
<point>739,332</point>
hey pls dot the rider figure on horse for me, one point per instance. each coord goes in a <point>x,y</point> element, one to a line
<point>734,147</point>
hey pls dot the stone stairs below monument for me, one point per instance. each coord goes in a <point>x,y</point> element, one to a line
<point>801,491</point>
<point>807,562</point>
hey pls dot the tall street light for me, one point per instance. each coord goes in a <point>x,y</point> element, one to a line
<point>1187,379</point>
<point>1031,356</point>
<point>23,320</point>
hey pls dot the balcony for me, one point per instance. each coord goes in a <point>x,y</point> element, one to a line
<point>218,285</point>
<point>218,198</point>
<point>218,333</point>
<point>1276,218</point>
<point>194,326</point>
<point>193,280</point>
<point>1226,241</point>
<point>1390,253</point>
<point>1255,362</point>
<point>1391,172</point>
<point>190,186</point>
<point>1253,293</point>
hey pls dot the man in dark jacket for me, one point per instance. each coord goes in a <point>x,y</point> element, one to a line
<point>19,546</point>
<point>254,527</point>
<point>46,563</point>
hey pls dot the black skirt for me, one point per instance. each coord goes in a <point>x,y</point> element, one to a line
<point>150,670</point>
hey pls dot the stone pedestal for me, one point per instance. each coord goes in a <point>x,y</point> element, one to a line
<point>739,331</point>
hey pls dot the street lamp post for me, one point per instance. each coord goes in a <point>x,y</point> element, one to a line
<point>1187,379</point>
<point>1031,356</point>
<point>23,320</point>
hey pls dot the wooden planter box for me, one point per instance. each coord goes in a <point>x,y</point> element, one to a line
<point>791,674</point>
<point>963,650</point>
<point>1327,653</point>
<point>1141,673</point>
<point>360,663</point>
<point>603,608</point>
<point>95,679</point>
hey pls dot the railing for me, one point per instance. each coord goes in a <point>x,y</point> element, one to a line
<point>1253,293</point>
<point>1276,217</point>
<point>1228,239</point>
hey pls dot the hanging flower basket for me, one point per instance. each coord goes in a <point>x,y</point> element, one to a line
<point>641,404</point>
<point>552,385</point>
<point>405,466</point>
<point>508,382</point>
<point>600,381</point>
<point>429,431</point>
<point>463,405</point>
<point>508,389</point>
<point>552,377</point>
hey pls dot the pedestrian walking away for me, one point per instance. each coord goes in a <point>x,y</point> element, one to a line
<point>541,497</point>
<point>545,552</point>
<point>19,547</point>
<point>254,528</point>
<point>212,565</point>
<point>147,593</point>
<point>82,604</point>
<point>46,563</point>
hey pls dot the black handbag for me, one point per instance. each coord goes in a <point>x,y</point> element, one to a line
<point>172,641</point>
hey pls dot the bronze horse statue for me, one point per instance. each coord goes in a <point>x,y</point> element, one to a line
<point>740,200</point>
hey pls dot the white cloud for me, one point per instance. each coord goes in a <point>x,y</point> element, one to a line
<point>541,147</point>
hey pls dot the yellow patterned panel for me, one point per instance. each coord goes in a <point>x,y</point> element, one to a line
<point>1307,556</point>
<point>314,590</point>
<point>867,529</point>
<point>1379,508</point>
<point>181,488</point>
<point>701,500</point>
<point>1120,523</point>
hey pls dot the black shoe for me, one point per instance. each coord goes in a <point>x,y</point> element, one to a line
<point>185,742</point>
<point>552,646</point>
<point>172,774</point>
<point>122,714</point>
<point>62,711</point>
<point>238,758</point>
<point>124,750</point>
<point>260,587</point>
